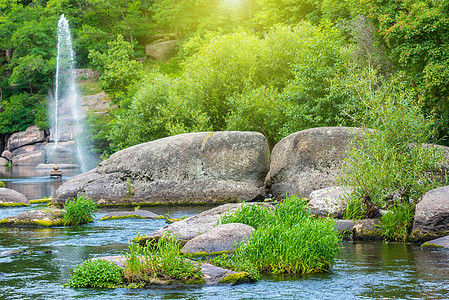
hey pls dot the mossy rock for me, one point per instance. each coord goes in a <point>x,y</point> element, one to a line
<point>35,218</point>
<point>236,278</point>
<point>442,242</point>
<point>43,200</point>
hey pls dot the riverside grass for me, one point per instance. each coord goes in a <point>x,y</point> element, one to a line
<point>159,260</point>
<point>287,239</point>
<point>79,210</point>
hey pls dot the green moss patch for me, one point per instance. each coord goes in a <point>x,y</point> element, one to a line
<point>43,200</point>
<point>431,245</point>
<point>235,278</point>
<point>13,204</point>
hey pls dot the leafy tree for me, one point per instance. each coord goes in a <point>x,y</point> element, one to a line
<point>19,112</point>
<point>416,34</point>
<point>118,70</point>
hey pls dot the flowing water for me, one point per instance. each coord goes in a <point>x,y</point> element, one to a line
<point>369,270</point>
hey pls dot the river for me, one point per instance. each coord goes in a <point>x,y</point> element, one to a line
<point>368,270</point>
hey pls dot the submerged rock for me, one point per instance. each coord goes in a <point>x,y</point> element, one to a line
<point>432,215</point>
<point>308,160</point>
<point>222,238</point>
<point>9,197</point>
<point>329,201</point>
<point>35,218</point>
<point>191,168</point>
<point>137,214</point>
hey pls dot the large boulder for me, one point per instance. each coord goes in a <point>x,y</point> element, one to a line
<point>33,154</point>
<point>30,136</point>
<point>193,226</point>
<point>432,215</point>
<point>329,201</point>
<point>191,168</point>
<point>31,158</point>
<point>222,238</point>
<point>10,197</point>
<point>308,160</point>
<point>163,50</point>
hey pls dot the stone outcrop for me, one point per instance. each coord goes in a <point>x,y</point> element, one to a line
<point>221,238</point>
<point>162,50</point>
<point>192,168</point>
<point>30,158</point>
<point>35,218</point>
<point>30,136</point>
<point>7,155</point>
<point>10,197</point>
<point>432,215</point>
<point>136,214</point>
<point>329,201</point>
<point>308,160</point>
<point>193,226</point>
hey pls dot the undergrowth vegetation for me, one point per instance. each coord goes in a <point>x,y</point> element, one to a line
<point>287,239</point>
<point>159,260</point>
<point>96,274</point>
<point>79,210</point>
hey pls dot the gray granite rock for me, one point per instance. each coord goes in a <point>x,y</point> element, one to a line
<point>329,201</point>
<point>11,197</point>
<point>192,168</point>
<point>30,136</point>
<point>221,238</point>
<point>308,160</point>
<point>432,215</point>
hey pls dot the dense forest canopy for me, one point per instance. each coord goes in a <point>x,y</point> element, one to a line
<point>273,66</point>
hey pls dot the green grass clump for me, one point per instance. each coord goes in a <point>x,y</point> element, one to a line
<point>397,222</point>
<point>287,239</point>
<point>96,273</point>
<point>79,210</point>
<point>159,261</point>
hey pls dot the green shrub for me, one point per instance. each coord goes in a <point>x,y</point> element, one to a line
<point>391,160</point>
<point>287,239</point>
<point>2,184</point>
<point>79,210</point>
<point>96,273</point>
<point>397,222</point>
<point>159,260</point>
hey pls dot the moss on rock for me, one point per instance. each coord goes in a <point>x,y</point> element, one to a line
<point>235,278</point>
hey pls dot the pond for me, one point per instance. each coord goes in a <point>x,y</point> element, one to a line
<point>362,270</point>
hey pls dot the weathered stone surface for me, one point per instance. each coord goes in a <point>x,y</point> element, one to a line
<point>31,158</point>
<point>193,226</point>
<point>308,160</point>
<point>97,103</point>
<point>66,153</point>
<point>208,168</point>
<point>163,50</point>
<point>3,161</point>
<point>10,197</point>
<point>344,225</point>
<point>31,135</point>
<point>367,229</point>
<point>219,239</point>
<point>139,214</point>
<point>442,242</point>
<point>29,149</point>
<point>329,201</point>
<point>8,155</point>
<point>35,218</point>
<point>432,215</point>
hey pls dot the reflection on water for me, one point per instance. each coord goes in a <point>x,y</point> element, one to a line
<point>33,183</point>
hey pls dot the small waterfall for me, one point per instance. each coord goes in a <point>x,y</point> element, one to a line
<point>67,116</point>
